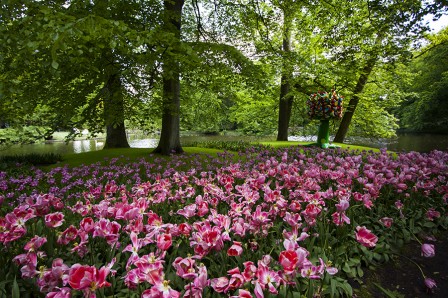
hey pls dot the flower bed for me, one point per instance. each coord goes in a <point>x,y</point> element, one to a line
<point>281,222</point>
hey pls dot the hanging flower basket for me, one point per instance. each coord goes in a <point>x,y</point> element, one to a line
<point>324,106</point>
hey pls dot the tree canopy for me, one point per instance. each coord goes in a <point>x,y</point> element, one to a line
<point>425,88</point>
<point>221,65</point>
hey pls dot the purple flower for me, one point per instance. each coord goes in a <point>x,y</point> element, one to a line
<point>430,284</point>
<point>428,250</point>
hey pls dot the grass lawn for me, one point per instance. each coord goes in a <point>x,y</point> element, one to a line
<point>281,144</point>
<point>77,159</point>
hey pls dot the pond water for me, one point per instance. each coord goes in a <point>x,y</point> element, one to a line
<point>404,142</point>
<point>424,142</point>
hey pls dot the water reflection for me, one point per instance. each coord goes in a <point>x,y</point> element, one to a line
<point>421,142</point>
<point>82,146</point>
<point>143,143</point>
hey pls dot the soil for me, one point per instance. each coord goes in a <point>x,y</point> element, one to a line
<point>401,277</point>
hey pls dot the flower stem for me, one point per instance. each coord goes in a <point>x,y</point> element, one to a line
<point>412,261</point>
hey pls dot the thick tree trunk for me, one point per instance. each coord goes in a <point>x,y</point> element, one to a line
<point>285,108</point>
<point>347,118</point>
<point>114,114</point>
<point>170,134</point>
<point>286,99</point>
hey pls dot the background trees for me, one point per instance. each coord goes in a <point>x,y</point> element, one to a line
<point>282,33</point>
<point>91,60</point>
<point>247,65</point>
<point>425,88</point>
<point>369,35</point>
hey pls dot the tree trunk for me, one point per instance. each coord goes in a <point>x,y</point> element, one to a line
<point>114,114</point>
<point>286,99</point>
<point>285,108</point>
<point>347,118</point>
<point>170,134</point>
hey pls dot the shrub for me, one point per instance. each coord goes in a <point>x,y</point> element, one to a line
<point>32,158</point>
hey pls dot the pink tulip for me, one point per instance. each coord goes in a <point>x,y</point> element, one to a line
<point>243,294</point>
<point>342,205</point>
<point>164,241</point>
<point>387,221</point>
<point>340,218</point>
<point>249,271</point>
<point>289,260</point>
<point>432,213</point>
<point>89,278</point>
<point>365,237</point>
<point>161,290</point>
<point>68,235</point>
<point>35,243</point>
<point>399,204</point>
<point>184,229</point>
<point>219,284</point>
<point>267,278</point>
<point>54,220</point>
<point>60,293</point>
<point>131,279</point>
<point>236,281</point>
<point>235,250</point>
<point>185,268</point>
<point>87,224</point>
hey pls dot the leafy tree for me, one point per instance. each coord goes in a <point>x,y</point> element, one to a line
<point>102,59</point>
<point>388,28</point>
<point>170,135</point>
<point>270,25</point>
<point>213,65</point>
<point>425,107</point>
<point>380,98</point>
<point>253,111</point>
<point>79,56</point>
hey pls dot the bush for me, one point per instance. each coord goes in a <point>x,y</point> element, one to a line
<point>32,158</point>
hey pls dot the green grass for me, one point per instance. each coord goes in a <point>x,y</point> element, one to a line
<point>77,159</point>
<point>281,144</point>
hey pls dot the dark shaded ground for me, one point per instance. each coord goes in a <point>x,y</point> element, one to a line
<point>402,278</point>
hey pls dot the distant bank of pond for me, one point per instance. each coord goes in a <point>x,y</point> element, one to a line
<point>404,142</point>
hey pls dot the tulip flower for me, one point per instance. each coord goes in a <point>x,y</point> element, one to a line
<point>235,250</point>
<point>365,237</point>
<point>54,220</point>
<point>430,284</point>
<point>428,250</point>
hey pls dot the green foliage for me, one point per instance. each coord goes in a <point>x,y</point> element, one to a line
<point>57,58</point>
<point>255,112</point>
<point>425,107</point>
<point>27,134</point>
<point>65,55</point>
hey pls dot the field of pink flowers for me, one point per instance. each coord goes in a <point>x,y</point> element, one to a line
<point>295,222</point>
